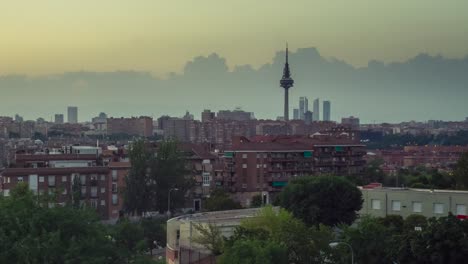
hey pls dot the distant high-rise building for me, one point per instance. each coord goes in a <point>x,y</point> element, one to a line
<point>326,111</point>
<point>138,126</point>
<point>286,82</point>
<point>316,109</point>
<point>72,114</point>
<point>296,114</point>
<point>58,119</point>
<point>237,115</point>
<point>303,107</point>
<point>308,117</point>
<point>207,115</point>
<point>352,122</point>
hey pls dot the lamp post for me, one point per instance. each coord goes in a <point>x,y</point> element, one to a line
<point>169,201</point>
<point>336,243</point>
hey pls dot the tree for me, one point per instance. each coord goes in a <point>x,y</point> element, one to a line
<point>255,252</point>
<point>257,201</point>
<point>370,240</point>
<point>303,244</point>
<point>210,237</point>
<point>324,200</point>
<point>137,190</point>
<point>219,200</point>
<point>169,170</point>
<point>76,192</point>
<point>461,172</point>
<point>31,233</point>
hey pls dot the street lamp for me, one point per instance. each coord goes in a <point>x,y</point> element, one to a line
<point>169,201</point>
<point>336,243</point>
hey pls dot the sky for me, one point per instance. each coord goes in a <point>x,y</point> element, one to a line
<point>54,36</point>
<point>380,60</point>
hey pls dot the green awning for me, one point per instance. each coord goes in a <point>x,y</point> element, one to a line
<point>228,154</point>
<point>279,183</point>
<point>307,154</point>
<point>339,148</point>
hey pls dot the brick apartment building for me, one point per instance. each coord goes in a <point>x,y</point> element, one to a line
<point>139,126</point>
<point>55,174</point>
<point>265,164</point>
<point>443,157</point>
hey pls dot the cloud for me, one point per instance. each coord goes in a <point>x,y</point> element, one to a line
<point>423,87</point>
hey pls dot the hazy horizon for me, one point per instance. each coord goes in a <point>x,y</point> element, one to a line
<point>379,60</point>
<point>391,92</point>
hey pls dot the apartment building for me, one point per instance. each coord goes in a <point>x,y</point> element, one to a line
<point>57,174</point>
<point>380,202</point>
<point>266,164</point>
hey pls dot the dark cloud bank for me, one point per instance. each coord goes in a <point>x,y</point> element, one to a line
<point>423,87</point>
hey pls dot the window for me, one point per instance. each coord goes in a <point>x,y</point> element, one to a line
<point>114,175</point>
<point>51,191</point>
<point>41,178</point>
<point>103,189</point>
<point>115,199</point>
<point>438,208</point>
<point>64,178</point>
<point>396,206</point>
<point>114,187</point>
<point>93,203</point>
<point>51,180</point>
<point>264,166</point>
<point>20,179</point>
<point>258,166</point>
<point>6,192</point>
<point>244,166</point>
<point>83,179</point>
<point>103,202</point>
<point>94,177</point>
<point>103,177</point>
<point>417,207</point>
<point>83,190</point>
<point>259,155</point>
<point>94,191</point>
<point>461,209</point>
<point>375,204</point>
<point>64,192</point>
<point>244,156</point>
<point>206,179</point>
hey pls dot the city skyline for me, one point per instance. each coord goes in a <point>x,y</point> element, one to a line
<point>316,76</point>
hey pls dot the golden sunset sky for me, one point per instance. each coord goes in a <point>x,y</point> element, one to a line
<point>53,36</point>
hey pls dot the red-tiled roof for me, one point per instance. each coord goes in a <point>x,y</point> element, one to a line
<point>51,157</point>
<point>53,171</point>
<point>276,143</point>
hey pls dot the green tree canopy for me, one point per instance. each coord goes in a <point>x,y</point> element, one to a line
<point>219,200</point>
<point>327,200</point>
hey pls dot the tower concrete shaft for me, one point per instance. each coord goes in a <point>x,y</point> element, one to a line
<point>286,82</point>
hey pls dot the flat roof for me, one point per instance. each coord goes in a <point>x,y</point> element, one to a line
<point>218,216</point>
<point>391,189</point>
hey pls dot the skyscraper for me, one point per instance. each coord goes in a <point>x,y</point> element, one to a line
<point>295,114</point>
<point>326,110</point>
<point>303,106</point>
<point>316,111</point>
<point>72,114</point>
<point>286,82</point>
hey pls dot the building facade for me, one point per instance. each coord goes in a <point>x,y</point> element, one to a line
<point>326,111</point>
<point>316,112</point>
<point>380,202</point>
<point>72,114</point>
<point>138,126</point>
